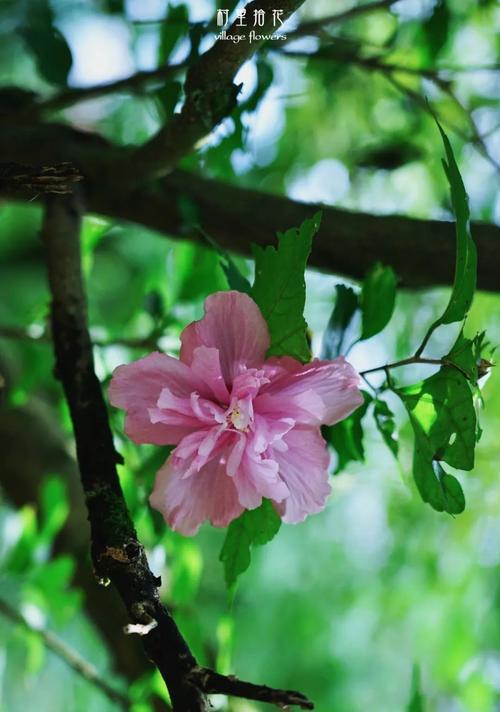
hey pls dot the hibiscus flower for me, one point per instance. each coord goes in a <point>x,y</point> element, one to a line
<point>245,427</point>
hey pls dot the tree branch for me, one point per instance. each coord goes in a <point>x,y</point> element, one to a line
<point>116,552</point>
<point>73,659</point>
<point>134,83</point>
<point>210,95</point>
<point>421,251</point>
<point>315,27</point>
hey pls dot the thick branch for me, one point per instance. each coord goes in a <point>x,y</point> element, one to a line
<point>210,94</point>
<point>116,552</point>
<point>421,251</point>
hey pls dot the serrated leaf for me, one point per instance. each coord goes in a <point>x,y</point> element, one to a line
<point>346,437</point>
<point>255,527</point>
<point>378,297</point>
<point>444,409</point>
<point>280,289</point>
<point>465,354</point>
<point>340,323</point>
<point>384,420</point>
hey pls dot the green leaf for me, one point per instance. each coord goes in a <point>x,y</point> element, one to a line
<point>167,97</point>
<point>465,355</point>
<point>175,25</point>
<point>49,47</point>
<point>444,409</point>
<point>443,418</point>
<point>464,283</point>
<point>233,275</point>
<point>52,53</point>
<point>384,420</point>
<point>436,29</point>
<point>378,297</point>
<point>54,508</point>
<point>432,486</point>
<point>416,703</point>
<point>346,437</point>
<point>255,527</point>
<point>280,289</point>
<point>452,489</point>
<point>340,323</point>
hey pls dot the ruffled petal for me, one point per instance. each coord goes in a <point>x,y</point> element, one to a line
<point>186,503</point>
<point>318,393</point>
<point>197,448</point>
<point>258,477</point>
<point>205,364</point>
<point>303,465</point>
<point>136,387</point>
<point>234,325</point>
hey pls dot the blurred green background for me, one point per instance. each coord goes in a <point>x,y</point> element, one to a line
<point>345,605</point>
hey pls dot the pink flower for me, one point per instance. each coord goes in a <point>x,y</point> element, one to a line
<point>245,427</point>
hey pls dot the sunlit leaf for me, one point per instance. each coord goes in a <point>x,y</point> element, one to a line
<point>443,418</point>
<point>444,409</point>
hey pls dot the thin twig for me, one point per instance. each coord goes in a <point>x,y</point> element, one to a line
<point>17,333</point>
<point>73,659</point>
<point>389,69</point>
<point>403,362</point>
<point>129,84</point>
<point>313,27</point>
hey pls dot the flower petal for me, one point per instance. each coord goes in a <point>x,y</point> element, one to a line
<point>318,393</point>
<point>234,325</point>
<point>136,388</point>
<point>206,364</point>
<point>258,477</point>
<point>304,468</point>
<point>186,503</point>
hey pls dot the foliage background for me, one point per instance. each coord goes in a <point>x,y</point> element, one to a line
<point>344,605</point>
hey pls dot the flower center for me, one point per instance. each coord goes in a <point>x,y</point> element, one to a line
<point>240,415</point>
